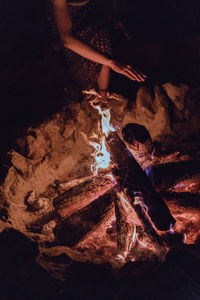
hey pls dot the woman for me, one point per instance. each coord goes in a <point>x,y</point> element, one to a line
<point>86,44</point>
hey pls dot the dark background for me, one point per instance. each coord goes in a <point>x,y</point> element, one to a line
<point>24,21</point>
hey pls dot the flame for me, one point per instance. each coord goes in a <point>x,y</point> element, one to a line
<point>106,127</point>
<point>179,185</point>
<point>138,199</point>
<point>143,244</point>
<point>101,154</point>
<point>112,178</point>
<point>119,193</point>
<point>102,159</point>
<point>134,237</point>
<point>123,200</point>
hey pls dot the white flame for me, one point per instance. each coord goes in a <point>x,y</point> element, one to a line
<point>101,154</point>
<point>106,127</point>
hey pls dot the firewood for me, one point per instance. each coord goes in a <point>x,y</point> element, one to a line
<point>81,195</point>
<point>67,185</point>
<point>125,230</point>
<point>77,227</point>
<point>131,178</point>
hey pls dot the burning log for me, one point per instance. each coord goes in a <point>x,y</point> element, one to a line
<point>68,185</point>
<point>132,179</point>
<point>81,195</point>
<point>125,230</point>
<point>147,225</point>
<point>79,225</point>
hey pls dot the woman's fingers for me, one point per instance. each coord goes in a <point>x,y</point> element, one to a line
<point>132,77</point>
<point>128,71</point>
<point>130,68</point>
<point>138,74</point>
<point>133,74</point>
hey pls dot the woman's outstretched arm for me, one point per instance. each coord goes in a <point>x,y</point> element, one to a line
<point>64,25</point>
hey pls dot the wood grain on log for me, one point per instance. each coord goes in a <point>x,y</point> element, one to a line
<point>81,195</point>
<point>125,229</point>
<point>79,225</point>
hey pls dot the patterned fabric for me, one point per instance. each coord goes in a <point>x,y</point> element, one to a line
<point>92,31</point>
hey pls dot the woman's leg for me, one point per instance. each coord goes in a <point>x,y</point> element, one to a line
<point>103,81</point>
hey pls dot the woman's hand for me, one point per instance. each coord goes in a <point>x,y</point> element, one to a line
<point>127,71</point>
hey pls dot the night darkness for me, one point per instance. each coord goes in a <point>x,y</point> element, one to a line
<point>166,46</point>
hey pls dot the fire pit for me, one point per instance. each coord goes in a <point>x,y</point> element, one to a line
<point>73,187</point>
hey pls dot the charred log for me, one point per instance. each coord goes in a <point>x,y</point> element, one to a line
<point>146,223</point>
<point>82,223</point>
<point>37,225</point>
<point>81,195</point>
<point>131,178</point>
<point>180,173</point>
<point>125,230</point>
<point>189,183</point>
